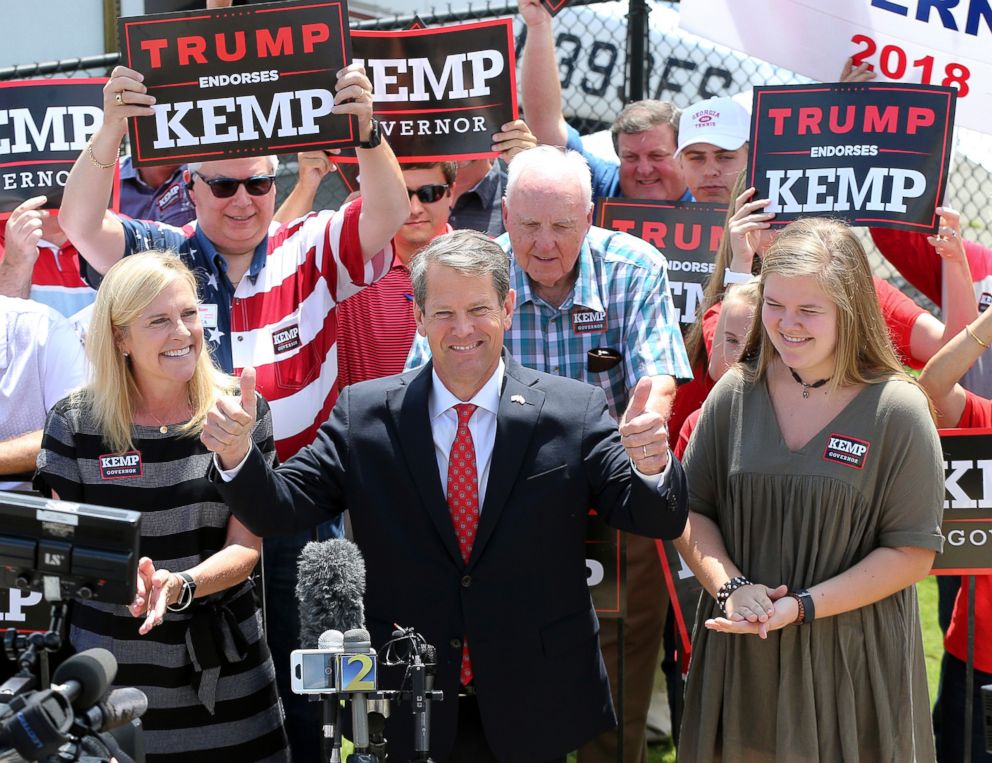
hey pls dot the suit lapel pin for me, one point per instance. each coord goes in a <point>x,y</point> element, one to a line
<point>517,399</point>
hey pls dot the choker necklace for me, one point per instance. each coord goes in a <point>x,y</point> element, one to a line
<point>807,387</point>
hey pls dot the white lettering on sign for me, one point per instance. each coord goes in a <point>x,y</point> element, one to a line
<point>959,498</point>
<point>847,194</point>
<point>295,113</point>
<point>693,293</point>
<point>17,602</point>
<point>63,128</point>
<point>484,65</point>
<point>594,573</point>
<point>958,538</point>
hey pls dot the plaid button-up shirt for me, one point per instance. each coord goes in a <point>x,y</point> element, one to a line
<point>620,301</point>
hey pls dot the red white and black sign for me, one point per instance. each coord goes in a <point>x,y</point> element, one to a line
<point>239,82</point>
<point>441,93</point>
<point>874,155</point>
<point>684,589</point>
<point>687,233</point>
<point>44,125</point>
<point>849,451</point>
<point>118,466</point>
<point>967,525</point>
<point>605,568</point>
<point>553,6</point>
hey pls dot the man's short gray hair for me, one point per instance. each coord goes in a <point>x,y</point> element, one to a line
<point>467,251</point>
<point>554,161</point>
<point>273,160</point>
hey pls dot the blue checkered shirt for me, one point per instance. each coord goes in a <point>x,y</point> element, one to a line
<point>619,276</point>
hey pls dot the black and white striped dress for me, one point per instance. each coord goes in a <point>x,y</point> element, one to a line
<point>207,671</point>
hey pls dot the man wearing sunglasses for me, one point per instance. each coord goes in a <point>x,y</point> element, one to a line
<point>376,327</point>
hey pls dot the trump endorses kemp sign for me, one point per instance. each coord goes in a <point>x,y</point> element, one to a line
<point>873,155</point>
<point>967,524</point>
<point>239,82</point>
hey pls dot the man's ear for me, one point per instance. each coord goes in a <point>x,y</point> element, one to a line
<point>188,182</point>
<point>418,316</point>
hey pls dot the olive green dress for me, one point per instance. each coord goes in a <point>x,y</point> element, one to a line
<point>846,688</point>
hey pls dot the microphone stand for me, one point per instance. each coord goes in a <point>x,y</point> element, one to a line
<point>422,683</point>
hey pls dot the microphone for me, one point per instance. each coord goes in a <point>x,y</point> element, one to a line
<point>118,708</point>
<point>85,677</point>
<point>354,682</point>
<point>333,642</point>
<point>330,588</point>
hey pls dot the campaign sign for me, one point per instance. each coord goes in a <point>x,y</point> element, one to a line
<point>440,94</point>
<point>44,125</point>
<point>687,233</point>
<point>874,155</point>
<point>967,525</point>
<point>684,589</point>
<point>239,82</point>
<point>553,6</point>
<point>605,568</point>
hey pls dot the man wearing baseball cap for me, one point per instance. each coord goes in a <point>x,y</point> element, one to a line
<point>712,148</point>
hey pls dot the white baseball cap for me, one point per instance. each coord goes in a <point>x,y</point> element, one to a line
<point>720,121</point>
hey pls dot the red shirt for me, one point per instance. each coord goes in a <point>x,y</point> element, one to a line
<point>376,328</point>
<point>900,314</point>
<point>686,432</point>
<point>956,640</point>
<point>977,413</point>
<point>691,395</point>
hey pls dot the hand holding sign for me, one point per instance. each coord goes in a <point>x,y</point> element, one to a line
<point>861,73</point>
<point>746,231</point>
<point>124,96</point>
<point>230,421</point>
<point>513,138</point>
<point>353,95</point>
<point>948,241</point>
<point>643,432</point>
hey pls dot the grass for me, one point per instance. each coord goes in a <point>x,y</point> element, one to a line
<point>933,647</point>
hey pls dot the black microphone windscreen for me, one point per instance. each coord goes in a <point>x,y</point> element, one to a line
<point>94,670</point>
<point>330,588</point>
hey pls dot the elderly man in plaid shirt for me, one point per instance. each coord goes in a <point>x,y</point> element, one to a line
<point>593,305</point>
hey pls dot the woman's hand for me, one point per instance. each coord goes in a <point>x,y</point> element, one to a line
<point>156,589</point>
<point>753,603</point>
<point>784,612</point>
<point>948,241</point>
<point>745,228</point>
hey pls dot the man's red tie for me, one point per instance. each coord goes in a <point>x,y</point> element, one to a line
<point>463,501</point>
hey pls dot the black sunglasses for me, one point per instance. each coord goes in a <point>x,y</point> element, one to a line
<point>428,194</point>
<point>225,188</point>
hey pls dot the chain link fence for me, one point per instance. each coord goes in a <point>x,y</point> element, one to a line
<point>591,40</point>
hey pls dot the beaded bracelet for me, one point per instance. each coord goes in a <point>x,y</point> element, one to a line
<point>727,589</point>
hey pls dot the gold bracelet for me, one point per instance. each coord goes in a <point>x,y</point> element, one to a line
<point>97,162</point>
<point>973,335</point>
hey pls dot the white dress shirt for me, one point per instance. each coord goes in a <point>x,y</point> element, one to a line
<point>444,425</point>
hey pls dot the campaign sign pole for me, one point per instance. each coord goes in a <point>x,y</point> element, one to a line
<point>44,126</point>
<point>967,529</point>
<point>441,93</point>
<point>687,233</point>
<point>239,82</point>
<point>871,154</point>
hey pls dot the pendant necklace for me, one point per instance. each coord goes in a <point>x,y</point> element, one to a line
<point>161,427</point>
<point>807,387</point>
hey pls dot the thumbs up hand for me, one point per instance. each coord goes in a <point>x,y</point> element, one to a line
<point>229,424</point>
<point>643,432</point>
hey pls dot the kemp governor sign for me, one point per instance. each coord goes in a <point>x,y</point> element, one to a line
<point>874,155</point>
<point>239,82</point>
<point>440,94</point>
<point>44,125</point>
<point>687,233</point>
<point>967,524</point>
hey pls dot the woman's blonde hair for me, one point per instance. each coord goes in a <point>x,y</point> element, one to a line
<point>713,292</point>
<point>112,394</point>
<point>830,252</point>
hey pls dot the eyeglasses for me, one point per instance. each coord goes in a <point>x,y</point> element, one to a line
<point>428,194</point>
<point>225,188</point>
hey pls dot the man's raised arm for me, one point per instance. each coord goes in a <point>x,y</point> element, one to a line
<point>540,88</point>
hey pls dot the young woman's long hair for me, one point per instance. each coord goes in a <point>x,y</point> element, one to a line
<point>112,394</point>
<point>829,251</point>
